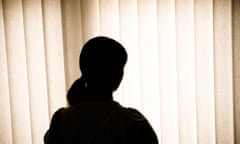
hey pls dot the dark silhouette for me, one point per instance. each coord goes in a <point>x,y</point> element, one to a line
<point>93,117</point>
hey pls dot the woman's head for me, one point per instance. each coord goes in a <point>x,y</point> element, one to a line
<point>102,61</point>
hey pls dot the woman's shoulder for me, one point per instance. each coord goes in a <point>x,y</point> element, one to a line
<point>130,113</point>
<point>118,109</point>
<point>139,129</point>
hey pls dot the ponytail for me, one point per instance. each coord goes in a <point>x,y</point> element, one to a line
<point>77,92</point>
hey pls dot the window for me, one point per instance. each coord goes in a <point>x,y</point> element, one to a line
<point>182,72</point>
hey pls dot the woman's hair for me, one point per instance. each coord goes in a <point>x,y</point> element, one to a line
<point>101,61</point>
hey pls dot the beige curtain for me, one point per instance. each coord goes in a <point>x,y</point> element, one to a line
<point>183,70</point>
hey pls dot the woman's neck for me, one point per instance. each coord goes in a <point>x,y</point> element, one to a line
<point>99,94</point>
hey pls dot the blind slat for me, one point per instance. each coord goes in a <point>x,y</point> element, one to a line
<point>5,121</point>
<point>72,37</point>
<point>129,38</point>
<point>236,67</point>
<point>186,78</point>
<point>53,41</point>
<point>36,64</point>
<point>17,72</point>
<point>204,71</point>
<point>148,50</point>
<point>90,19</point>
<point>167,72</point>
<point>223,71</point>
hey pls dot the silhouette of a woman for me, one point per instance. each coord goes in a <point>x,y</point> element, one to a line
<point>93,117</point>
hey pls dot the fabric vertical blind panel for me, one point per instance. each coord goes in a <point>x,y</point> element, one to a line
<point>236,67</point>
<point>182,72</point>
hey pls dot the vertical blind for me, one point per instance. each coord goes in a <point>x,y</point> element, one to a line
<point>183,71</point>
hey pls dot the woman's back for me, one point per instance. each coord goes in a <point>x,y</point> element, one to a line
<point>100,123</point>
